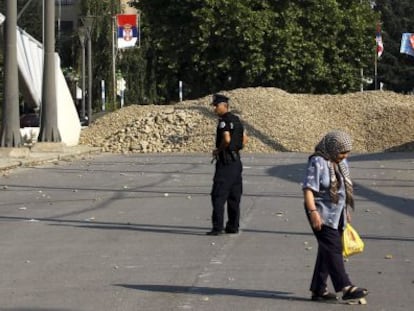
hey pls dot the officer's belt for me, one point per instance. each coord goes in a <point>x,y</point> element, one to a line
<point>235,155</point>
<point>227,156</point>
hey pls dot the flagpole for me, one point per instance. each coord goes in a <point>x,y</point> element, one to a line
<point>376,71</point>
<point>114,61</point>
<point>379,48</point>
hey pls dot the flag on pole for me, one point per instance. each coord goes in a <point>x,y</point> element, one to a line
<point>378,39</point>
<point>407,44</point>
<point>127,30</point>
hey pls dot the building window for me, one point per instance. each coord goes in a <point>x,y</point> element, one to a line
<point>65,2</point>
<point>66,26</point>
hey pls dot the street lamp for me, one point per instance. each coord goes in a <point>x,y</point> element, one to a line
<point>88,23</point>
<point>82,37</point>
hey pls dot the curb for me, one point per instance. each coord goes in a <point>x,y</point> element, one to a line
<point>12,158</point>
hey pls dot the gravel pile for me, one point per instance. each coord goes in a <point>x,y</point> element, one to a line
<point>275,120</point>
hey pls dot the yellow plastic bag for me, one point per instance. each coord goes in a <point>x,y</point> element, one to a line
<point>351,242</point>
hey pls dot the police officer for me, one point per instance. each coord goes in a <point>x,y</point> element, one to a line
<point>227,182</point>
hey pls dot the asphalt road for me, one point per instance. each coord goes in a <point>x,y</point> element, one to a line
<point>117,232</point>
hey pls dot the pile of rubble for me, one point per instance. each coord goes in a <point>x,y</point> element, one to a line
<point>275,121</point>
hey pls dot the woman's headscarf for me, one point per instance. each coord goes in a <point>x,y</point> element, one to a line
<point>331,145</point>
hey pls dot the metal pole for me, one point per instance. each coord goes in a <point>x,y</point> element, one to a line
<point>362,79</point>
<point>89,78</point>
<point>24,9</point>
<point>88,23</point>
<point>82,36</point>
<point>49,131</point>
<point>10,129</point>
<point>180,90</point>
<point>103,94</point>
<point>82,41</point>
<point>59,22</point>
<point>376,71</point>
<point>114,61</point>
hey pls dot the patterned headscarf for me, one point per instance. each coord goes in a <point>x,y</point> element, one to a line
<point>331,145</point>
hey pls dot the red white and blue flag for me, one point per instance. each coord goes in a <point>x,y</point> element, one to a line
<point>407,44</point>
<point>127,33</point>
<point>378,39</point>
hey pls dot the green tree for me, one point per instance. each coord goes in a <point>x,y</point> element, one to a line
<point>30,19</point>
<point>314,46</point>
<point>133,64</point>
<point>103,12</point>
<point>396,70</point>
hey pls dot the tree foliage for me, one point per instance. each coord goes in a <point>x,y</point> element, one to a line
<point>30,19</point>
<point>101,42</point>
<point>313,46</point>
<point>396,70</point>
<point>305,46</point>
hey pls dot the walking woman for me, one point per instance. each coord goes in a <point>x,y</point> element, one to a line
<point>327,189</point>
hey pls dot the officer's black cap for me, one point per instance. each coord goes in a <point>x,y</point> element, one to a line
<point>219,98</point>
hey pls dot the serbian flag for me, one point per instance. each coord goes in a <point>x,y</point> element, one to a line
<point>407,44</point>
<point>378,39</point>
<point>127,30</point>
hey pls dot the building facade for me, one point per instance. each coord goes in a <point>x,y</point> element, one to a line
<point>68,13</point>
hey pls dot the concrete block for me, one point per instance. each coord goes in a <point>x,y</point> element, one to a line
<point>48,147</point>
<point>22,152</point>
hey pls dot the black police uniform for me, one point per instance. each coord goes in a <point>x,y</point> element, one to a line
<point>227,186</point>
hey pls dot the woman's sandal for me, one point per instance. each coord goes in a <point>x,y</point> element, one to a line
<point>354,292</point>
<point>326,296</point>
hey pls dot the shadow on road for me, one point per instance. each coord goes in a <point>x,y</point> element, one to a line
<point>174,229</point>
<point>211,291</point>
<point>403,205</point>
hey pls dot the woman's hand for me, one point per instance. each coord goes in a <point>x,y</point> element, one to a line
<point>314,216</point>
<point>348,216</point>
<point>316,221</point>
